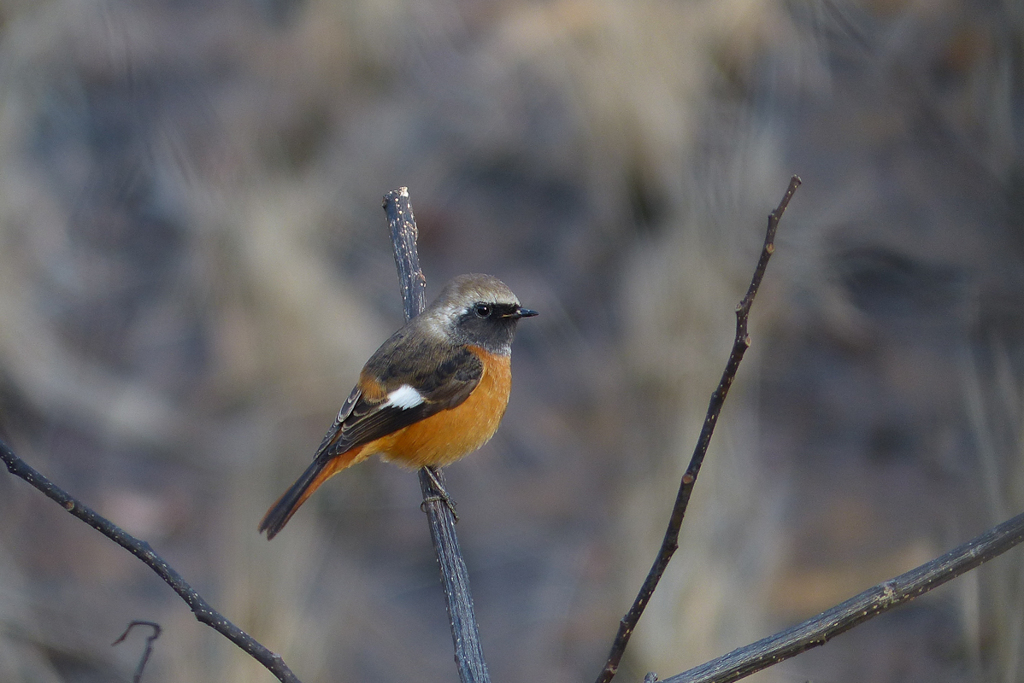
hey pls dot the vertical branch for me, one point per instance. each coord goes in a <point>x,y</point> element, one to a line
<point>469,656</point>
<point>671,540</point>
<point>407,259</point>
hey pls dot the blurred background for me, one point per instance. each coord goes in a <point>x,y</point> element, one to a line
<point>194,266</point>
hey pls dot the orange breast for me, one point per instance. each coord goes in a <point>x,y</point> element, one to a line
<point>448,435</point>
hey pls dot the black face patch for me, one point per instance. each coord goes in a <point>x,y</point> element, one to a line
<point>489,325</point>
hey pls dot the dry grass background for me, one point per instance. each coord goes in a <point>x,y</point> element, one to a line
<point>193,266</point>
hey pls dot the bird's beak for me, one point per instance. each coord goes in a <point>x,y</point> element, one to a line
<point>524,313</point>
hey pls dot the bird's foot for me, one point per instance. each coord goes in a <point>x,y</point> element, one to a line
<point>442,494</point>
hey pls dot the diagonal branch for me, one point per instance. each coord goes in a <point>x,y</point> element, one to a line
<point>140,549</point>
<point>671,540</point>
<point>469,656</point>
<point>869,604</point>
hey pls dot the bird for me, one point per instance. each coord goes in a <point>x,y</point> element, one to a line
<point>434,392</point>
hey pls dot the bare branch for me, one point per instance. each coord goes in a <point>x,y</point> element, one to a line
<point>140,549</point>
<point>404,234</point>
<point>137,677</point>
<point>869,604</point>
<point>469,656</point>
<point>671,540</point>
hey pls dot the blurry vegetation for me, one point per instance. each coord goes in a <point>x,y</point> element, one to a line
<point>194,265</point>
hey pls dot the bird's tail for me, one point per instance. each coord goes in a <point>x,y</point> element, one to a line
<point>316,474</point>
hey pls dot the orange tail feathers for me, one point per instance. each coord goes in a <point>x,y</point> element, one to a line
<point>316,474</point>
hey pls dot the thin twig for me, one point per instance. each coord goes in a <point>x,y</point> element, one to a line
<point>869,604</point>
<point>671,541</point>
<point>469,656</point>
<point>140,549</point>
<point>149,645</point>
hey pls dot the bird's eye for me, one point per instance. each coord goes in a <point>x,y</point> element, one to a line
<point>482,310</point>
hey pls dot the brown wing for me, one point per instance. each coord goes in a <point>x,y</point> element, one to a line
<point>443,379</point>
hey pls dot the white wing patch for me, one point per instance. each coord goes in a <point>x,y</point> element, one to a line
<point>404,397</point>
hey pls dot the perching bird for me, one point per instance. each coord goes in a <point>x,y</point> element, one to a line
<point>432,393</point>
